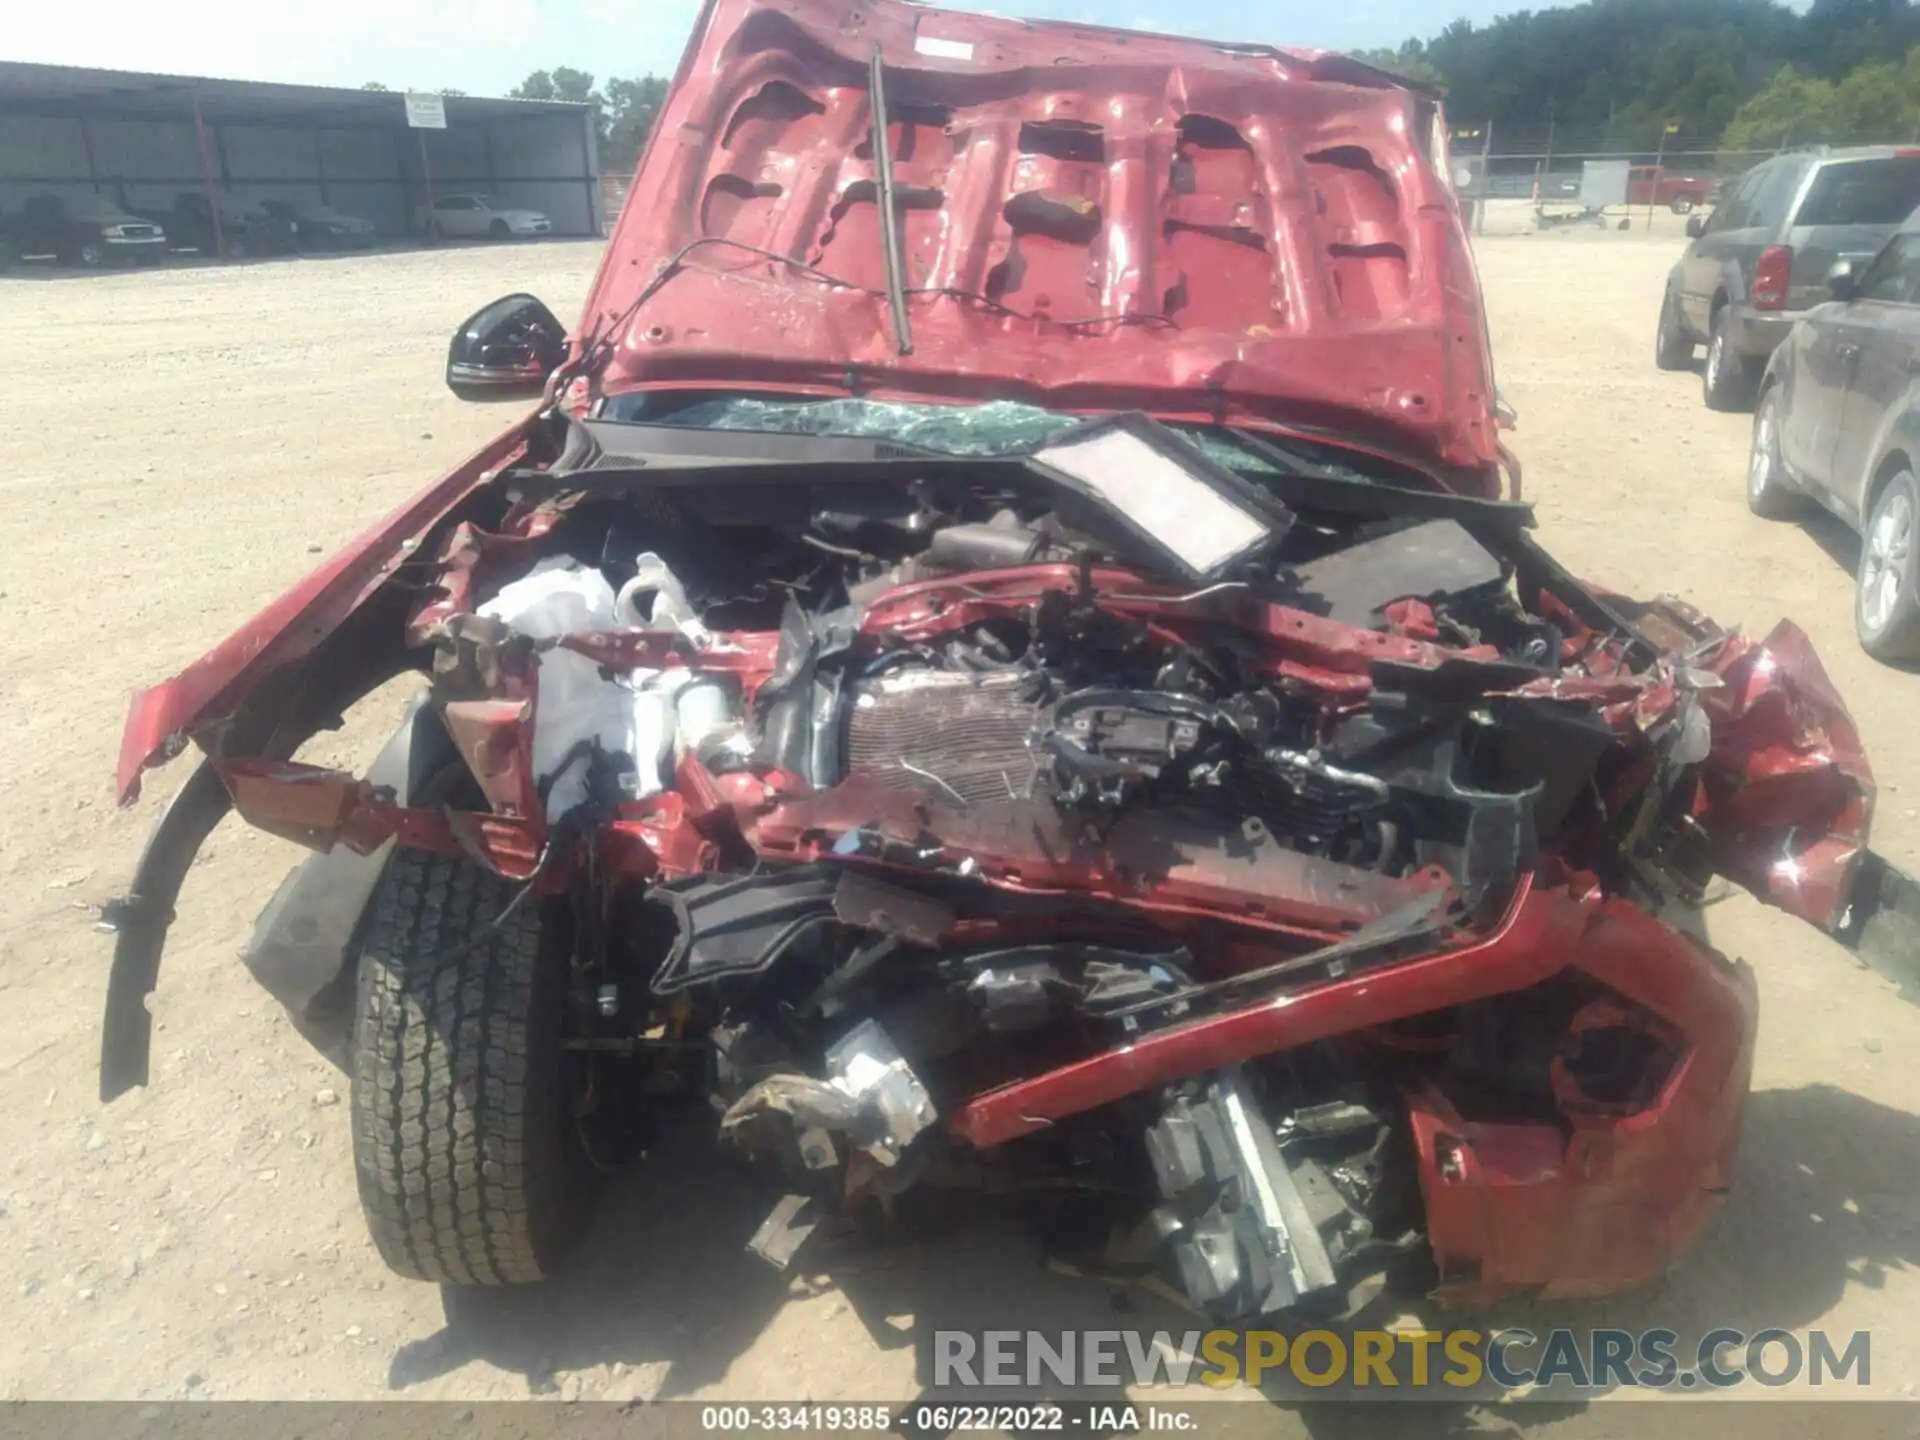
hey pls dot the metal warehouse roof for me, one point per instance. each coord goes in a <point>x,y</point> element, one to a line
<point>132,95</point>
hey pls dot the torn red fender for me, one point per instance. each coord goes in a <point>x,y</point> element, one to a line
<point>309,805</point>
<point>1615,1195</point>
<point>1789,793</point>
<point>1510,1206</point>
<point>467,561</point>
<point>320,808</point>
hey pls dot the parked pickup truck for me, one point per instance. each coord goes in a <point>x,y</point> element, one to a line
<point>1657,185</point>
<point>89,231</point>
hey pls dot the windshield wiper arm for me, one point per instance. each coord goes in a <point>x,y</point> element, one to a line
<point>889,214</point>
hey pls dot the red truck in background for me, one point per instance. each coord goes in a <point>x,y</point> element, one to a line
<point>1657,185</point>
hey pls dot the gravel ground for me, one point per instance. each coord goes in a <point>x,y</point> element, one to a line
<point>178,447</point>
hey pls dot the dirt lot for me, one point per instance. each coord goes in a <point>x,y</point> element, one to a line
<point>179,447</point>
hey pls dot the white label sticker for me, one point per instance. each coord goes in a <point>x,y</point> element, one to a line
<point>943,49</point>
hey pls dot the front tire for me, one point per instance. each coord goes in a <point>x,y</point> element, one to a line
<point>90,255</point>
<point>1672,347</point>
<point>1886,606</point>
<point>469,1160</point>
<point>1682,205</point>
<point>498,230</point>
<point>1726,380</point>
<point>1769,495</point>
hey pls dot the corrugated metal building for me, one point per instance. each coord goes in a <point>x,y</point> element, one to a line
<point>145,139</point>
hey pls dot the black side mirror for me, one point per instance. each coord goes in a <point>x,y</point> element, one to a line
<point>1843,282</point>
<point>1696,226</point>
<point>505,350</point>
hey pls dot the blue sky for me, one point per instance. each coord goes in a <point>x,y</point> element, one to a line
<point>485,46</point>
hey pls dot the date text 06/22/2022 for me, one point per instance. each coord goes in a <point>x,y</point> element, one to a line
<point>949,1418</point>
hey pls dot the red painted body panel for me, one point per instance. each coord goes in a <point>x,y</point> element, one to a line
<point>1608,1201</point>
<point>1604,1202</point>
<point>1791,794</point>
<point>1531,943</point>
<point>1657,185</point>
<point>1094,220</point>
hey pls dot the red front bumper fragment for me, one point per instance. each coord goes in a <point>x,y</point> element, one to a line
<point>1594,1202</point>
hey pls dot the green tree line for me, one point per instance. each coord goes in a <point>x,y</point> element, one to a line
<point>625,109</point>
<point>1741,74</point>
<point>1747,74</point>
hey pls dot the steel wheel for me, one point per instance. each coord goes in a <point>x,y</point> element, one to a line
<point>1886,609</point>
<point>1672,349</point>
<point>1768,494</point>
<point>1725,381</point>
<point>1882,568</point>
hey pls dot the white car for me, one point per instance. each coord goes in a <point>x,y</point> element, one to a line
<point>479,216</point>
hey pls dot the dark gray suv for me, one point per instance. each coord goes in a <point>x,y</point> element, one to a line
<point>1760,261</point>
<point>1838,421</point>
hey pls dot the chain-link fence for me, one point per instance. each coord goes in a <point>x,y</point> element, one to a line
<point>1545,161</point>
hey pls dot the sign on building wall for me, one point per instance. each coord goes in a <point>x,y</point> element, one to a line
<point>426,112</point>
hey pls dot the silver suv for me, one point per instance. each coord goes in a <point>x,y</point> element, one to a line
<point>1760,261</point>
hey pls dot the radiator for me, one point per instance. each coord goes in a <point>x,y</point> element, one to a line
<point>943,730</point>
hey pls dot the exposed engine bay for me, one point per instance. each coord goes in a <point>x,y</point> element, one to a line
<point>1288,886</point>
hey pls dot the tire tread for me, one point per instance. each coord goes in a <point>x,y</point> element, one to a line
<point>444,1077</point>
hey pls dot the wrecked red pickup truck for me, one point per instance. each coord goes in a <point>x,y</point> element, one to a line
<point>1008,656</point>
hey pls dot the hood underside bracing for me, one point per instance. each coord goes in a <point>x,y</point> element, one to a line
<point>1090,220</point>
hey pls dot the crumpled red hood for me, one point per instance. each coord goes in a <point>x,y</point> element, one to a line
<point>1093,219</point>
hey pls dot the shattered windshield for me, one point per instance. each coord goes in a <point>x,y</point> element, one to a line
<point>999,427</point>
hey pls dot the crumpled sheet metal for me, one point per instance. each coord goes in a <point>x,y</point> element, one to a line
<point>1789,791</point>
<point>471,560</point>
